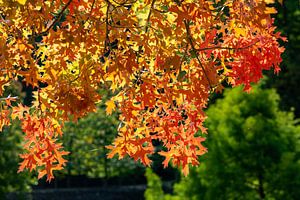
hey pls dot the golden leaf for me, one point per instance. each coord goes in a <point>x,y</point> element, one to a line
<point>270,11</point>
<point>22,2</point>
<point>110,107</point>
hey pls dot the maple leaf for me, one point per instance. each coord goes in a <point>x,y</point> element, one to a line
<point>19,111</point>
<point>4,119</point>
<point>110,107</point>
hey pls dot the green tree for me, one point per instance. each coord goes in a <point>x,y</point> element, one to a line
<point>253,151</point>
<point>154,186</point>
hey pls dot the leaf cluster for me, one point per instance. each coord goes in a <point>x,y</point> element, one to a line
<point>160,59</point>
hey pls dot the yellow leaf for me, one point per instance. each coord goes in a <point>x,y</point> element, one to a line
<point>141,9</point>
<point>139,131</point>
<point>240,32</point>
<point>110,106</point>
<point>21,2</point>
<point>22,47</point>
<point>170,18</point>
<point>42,51</point>
<point>270,11</point>
<point>269,1</point>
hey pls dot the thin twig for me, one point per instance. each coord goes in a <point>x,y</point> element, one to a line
<point>120,26</point>
<point>106,42</point>
<point>183,57</point>
<point>9,97</point>
<point>226,48</point>
<point>92,7</point>
<point>57,19</point>
<point>149,16</point>
<point>189,37</point>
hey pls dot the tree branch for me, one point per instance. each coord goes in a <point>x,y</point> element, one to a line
<point>226,48</point>
<point>106,42</point>
<point>9,97</point>
<point>189,37</point>
<point>57,19</point>
<point>92,7</point>
<point>149,16</point>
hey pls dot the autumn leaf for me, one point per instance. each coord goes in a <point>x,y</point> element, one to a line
<point>270,10</point>
<point>22,2</point>
<point>110,107</point>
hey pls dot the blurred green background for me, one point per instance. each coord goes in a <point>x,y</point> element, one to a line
<point>253,144</point>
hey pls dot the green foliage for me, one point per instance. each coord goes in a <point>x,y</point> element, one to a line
<point>154,186</point>
<point>253,151</point>
<point>10,180</point>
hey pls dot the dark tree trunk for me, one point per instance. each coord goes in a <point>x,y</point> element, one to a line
<point>261,191</point>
